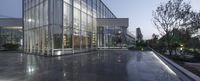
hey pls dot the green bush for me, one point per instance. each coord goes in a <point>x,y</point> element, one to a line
<point>196,55</point>
<point>135,48</point>
<point>10,46</point>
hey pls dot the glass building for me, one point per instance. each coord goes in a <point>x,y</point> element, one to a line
<point>112,33</point>
<point>56,27</point>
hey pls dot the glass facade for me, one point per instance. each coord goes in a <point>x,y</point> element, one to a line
<point>112,37</point>
<point>37,29</point>
<point>56,27</point>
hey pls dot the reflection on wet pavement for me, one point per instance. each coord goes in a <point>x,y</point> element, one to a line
<point>95,66</point>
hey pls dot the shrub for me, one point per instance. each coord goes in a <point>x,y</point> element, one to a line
<point>196,54</point>
<point>10,46</point>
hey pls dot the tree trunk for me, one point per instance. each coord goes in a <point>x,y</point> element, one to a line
<point>168,44</point>
<point>175,51</point>
<point>169,48</point>
<point>170,51</point>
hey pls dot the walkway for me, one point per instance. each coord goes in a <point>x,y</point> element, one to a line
<point>107,65</point>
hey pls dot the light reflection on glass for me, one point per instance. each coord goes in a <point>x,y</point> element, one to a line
<point>31,64</point>
<point>30,69</point>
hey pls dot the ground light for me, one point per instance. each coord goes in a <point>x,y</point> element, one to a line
<point>58,53</point>
<point>181,48</point>
<point>167,67</point>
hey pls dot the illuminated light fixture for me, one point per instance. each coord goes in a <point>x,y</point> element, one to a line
<point>21,41</point>
<point>167,67</point>
<point>30,69</point>
<point>119,32</point>
<point>181,45</point>
<point>181,49</point>
<point>64,74</point>
<point>30,20</point>
<point>58,53</point>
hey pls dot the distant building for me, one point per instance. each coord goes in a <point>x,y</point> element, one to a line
<point>131,40</point>
<point>112,32</point>
<point>11,31</point>
<point>139,36</point>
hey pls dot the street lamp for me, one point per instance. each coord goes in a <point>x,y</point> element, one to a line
<point>119,32</point>
<point>181,47</point>
<point>119,40</point>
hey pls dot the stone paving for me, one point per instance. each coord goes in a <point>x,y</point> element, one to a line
<point>110,65</point>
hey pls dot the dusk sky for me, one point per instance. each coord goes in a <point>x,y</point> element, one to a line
<point>139,12</point>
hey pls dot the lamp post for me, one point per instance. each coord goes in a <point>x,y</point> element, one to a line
<point>119,39</point>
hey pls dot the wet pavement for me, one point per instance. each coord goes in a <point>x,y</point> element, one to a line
<point>94,66</point>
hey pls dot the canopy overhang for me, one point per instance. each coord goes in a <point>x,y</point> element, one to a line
<point>113,22</point>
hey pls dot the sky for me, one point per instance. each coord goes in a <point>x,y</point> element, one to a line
<point>139,12</point>
<point>11,8</point>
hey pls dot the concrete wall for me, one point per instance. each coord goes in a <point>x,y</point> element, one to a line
<point>110,22</point>
<point>9,22</point>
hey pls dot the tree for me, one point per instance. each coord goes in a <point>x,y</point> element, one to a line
<point>155,37</point>
<point>154,41</point>
<point>194,24</point>
<point>11,47</point>
<point>169,16</point>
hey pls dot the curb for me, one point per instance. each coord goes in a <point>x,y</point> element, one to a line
<point>184,71</point>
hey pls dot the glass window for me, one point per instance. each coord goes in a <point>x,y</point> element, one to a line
<point>89,5</point>
<point>67,15</point>
<point>37,37</point>
<point>76,18</point>
<point>41,14</point>
<point>67,26</point>
<point>89,24</point>
<point>94,40</point>
<point>57,12</point>
<point>83,30</point>
<point>84,21</point>
<point>57,36</point>
<point>94,8</point>
<point>25,20</point>
<point>76,39</point>
<point>45,13</point>
<point>32,15</point>
<point>77,4</point>
<point>68,1</point>
<point>89,39</point>
<point>67,38</point>
<point>41,1</point>
<point>25,4</point>
<point>84,5</point>
<point>37,1</point>
<point>37,16</point>
<point>76,33</point>
<point>32,2</point>
<point>56,18</point>
<point>29,4</point>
